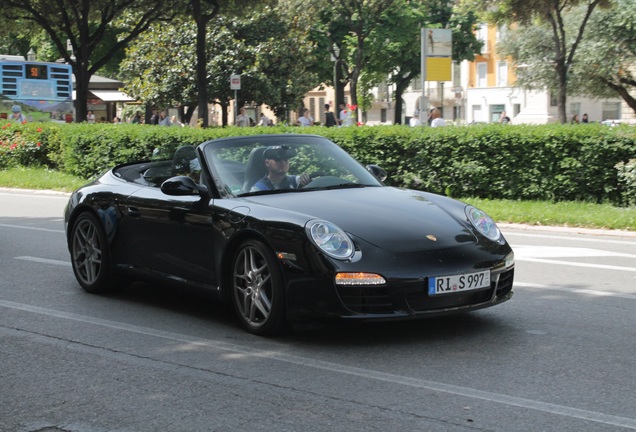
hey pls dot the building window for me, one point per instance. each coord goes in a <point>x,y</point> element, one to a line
<point>482,35</point>
<point>553,100</point>
<point>575,109</point>
<point>383,115</point>
<point>495,112</point>
<point>611,111</point>
<point>416,84</point>
<point>457,74</point>
<point>482,74</point>
<point>502,74</point>
<point>312,107</point>
<point>477,114</point>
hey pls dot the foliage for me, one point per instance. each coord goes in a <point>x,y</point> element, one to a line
<point>589,163</point>
<point>563,24</point>
<point>22,145</point>
<point>271,55</point>
<point>97,30</point>
<point>605,66</point>
<point>627,179</point>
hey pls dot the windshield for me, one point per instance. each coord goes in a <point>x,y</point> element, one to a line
<point>283,163</point>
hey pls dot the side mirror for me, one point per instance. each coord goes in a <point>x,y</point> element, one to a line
<point>182,186</point>
<point>377,172</point>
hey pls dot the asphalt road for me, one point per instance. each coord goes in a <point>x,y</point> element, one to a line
<point>560,356</point>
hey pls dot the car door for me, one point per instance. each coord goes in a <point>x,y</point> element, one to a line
<point>171,236</point>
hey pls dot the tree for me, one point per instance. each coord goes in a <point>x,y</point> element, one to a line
<point>563,42</point>
<point>606,63</point>
<point>397,43</point>
<point>86,25</point>
<point>269,51</point>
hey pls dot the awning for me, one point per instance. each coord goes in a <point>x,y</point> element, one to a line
<point>111,96</point>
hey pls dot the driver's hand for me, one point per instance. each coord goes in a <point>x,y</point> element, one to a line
<point>304,179</point>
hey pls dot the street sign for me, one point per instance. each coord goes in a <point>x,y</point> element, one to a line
<point>235,82</point>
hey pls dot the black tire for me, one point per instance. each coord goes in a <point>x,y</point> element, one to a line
<point>257,289</point>
<point>89,254</point>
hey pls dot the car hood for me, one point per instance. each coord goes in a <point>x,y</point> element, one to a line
<point>393,219</point>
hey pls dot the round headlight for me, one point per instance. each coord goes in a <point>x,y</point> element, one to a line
<point>330,239</point>
<point>483,223</point>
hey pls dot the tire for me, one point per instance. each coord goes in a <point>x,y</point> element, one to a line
<point>90,255</point>
<point>257,289</point>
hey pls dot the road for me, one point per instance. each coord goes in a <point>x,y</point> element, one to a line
<point>560,356</point>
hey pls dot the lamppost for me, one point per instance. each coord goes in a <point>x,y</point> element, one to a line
<point>31,55</point>
<point>335,57</point>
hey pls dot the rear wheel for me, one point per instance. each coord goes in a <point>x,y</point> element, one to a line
<point>89,254</point>
<point>257,291</point>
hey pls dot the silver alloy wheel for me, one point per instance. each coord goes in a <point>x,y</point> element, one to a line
<point>87,252</point>
<point>253,287</point>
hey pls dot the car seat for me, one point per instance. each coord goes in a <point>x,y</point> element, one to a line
<point>255,169</point>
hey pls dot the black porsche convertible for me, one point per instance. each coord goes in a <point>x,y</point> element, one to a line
<point>286,228</point>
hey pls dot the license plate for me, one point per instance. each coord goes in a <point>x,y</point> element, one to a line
<point>458,283</point>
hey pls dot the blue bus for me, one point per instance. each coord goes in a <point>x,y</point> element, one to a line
<point>43,90</point>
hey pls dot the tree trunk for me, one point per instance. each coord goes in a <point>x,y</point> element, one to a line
<point>201,67</point>
<point>400,87</point>
<point>562,72</point>
<point>82,78</point>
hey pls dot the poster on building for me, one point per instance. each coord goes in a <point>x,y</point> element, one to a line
<point>438,42</point>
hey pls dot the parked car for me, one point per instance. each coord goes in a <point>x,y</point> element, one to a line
<point>333,242</point>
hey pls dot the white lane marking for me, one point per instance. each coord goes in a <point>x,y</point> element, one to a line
<point>531,251</point>
<point>339,368</point>
<point>575,264</point>
<point>573,238</point>
<point>596,293</point>
<point>539,254</point>
<point>44,260</point>
<point>31,228</point>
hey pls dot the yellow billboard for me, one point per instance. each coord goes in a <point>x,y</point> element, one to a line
<point>438,69</point>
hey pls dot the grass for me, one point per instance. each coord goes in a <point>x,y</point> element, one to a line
<point>39,178</point>
<point>540,213</point>
<point>570,214</point>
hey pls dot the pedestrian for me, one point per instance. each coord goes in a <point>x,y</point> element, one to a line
<point>503,118</point>
<point>163,119</point>
<point>16,114</point>
<point>154,117</point>
<point>584,119</point>
<point>137,118</point>
<point>344,116</point>
<point>415,120</point>
<point>575,119</point>
<point>306,119</point>
<point>90,117</point>
<point>330,118</point>
<point>436,118</point>
<point>174,121</point>
<point>264,120</point>
<point>243,120</point>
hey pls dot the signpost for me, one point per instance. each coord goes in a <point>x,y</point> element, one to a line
<point>235,84</point>
<point>437,51</point>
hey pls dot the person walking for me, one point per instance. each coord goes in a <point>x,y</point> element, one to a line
<point>436,118</point>
<point>243,120</point>
<point>16,114</point>
<point>330,118</point>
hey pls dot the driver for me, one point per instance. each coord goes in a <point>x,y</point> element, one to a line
<point>277,164</point>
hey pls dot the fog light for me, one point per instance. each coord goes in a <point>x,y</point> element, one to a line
<point>359,279</point>
<point>510,260</point>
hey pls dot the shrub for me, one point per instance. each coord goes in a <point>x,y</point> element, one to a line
<point>555,162</point>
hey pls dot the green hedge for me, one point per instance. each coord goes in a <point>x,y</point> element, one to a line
<point>555,162</point>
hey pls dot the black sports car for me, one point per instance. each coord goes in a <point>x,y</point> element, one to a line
<point>330,241</point>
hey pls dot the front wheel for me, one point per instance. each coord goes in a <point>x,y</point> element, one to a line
<point>89,254</point>
<point>257,290</point>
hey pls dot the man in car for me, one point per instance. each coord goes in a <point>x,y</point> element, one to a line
<point>277,164</point>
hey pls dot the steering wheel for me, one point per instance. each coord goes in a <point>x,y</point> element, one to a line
<point>312,176</point>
